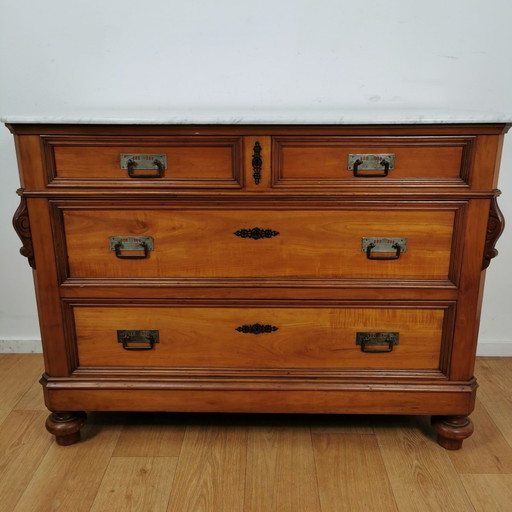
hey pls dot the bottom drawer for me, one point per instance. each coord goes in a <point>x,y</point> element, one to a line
<point>261,337</point>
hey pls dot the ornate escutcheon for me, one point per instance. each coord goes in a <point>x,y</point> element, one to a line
<point>256,328</point>
<point>256,233</point>
<point>257,162</point>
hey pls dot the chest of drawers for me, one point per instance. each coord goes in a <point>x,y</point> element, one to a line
<point>291,269</point>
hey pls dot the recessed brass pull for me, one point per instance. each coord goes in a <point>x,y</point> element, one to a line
<point>358,163</point>
<point>372,245</point>
<point>377,339</point>
<point>142,161</point>
<point>142,340</point>
<point>397,248</point>
<point>131,243</point>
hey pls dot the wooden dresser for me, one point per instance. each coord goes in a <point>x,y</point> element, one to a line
<point>267,268</point>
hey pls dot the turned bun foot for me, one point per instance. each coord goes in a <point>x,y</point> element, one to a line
<point>65,426</point>
<point>452,430</point>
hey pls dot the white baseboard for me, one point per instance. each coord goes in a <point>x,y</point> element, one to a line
<point>20,346</point>
<point>501,348</point>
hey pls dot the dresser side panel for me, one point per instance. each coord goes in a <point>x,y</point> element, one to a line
<point>58,359</point>
<point>471,282</point>
<point>485,162</point>
<point>30,162</point>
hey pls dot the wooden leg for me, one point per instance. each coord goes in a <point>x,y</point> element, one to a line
<point>65,426</point>
<point>452,430</point>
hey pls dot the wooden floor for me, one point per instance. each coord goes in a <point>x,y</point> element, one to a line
<point>248,463</point>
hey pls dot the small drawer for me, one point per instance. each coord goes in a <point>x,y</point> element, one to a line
<point>260,337</point>
<point>383,161</point>
<point>256,245</point>
<point>206,162</point>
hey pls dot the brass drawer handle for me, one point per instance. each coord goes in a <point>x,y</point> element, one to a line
<point>131,243</point>
<point>256,233</point>
<point>144,340</point>
<point>144,161</point>
<point>360,162</point>
<point>374,339</point>
<point>372,245</point>
<point>132,164</point>
<point>395,257</point>
<point>384,163</point>
<point>119,247</point>
<point>256,328</point>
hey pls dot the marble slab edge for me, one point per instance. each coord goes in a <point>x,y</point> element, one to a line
<point>264,118</point>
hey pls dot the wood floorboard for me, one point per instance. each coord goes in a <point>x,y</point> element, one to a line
<point>210,475</point>
<point>68,477</point>
<point>3,414</point>
<point>23,444</point>
<point>152,435</point>
<point>486,451</point>
<point>495,377</point>
<point>421,473</point>
<point>19,372</point>
<point>489,493</point>
<point>32,399</point>
<point>136,484</point>
<point>351,474</point>
<point>280,475</point>
<point>250,463</point>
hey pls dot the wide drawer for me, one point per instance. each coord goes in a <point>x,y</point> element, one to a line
<point>260,337</point>
<point>329,161</point>
<point>145,161</point>
<point>260,244</point>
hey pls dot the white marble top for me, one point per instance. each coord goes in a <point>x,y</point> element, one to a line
<point>269,116</point>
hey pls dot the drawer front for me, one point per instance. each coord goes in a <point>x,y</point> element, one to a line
<point>232,337</point>
<point>184,161</point>
<point>329,161</point>
<point>259,244</point>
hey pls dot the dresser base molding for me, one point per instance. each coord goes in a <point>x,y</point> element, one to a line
<point>259,396</point>
<point>449,404</point>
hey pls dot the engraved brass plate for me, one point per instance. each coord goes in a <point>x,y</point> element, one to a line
<point>377,338</point>
<point>132,243</point>
<point>143,161</point>
<point>137,336</point>
<point>383,244</point>
<point>371,162</point>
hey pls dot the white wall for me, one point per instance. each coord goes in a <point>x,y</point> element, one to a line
<point>59,56</point>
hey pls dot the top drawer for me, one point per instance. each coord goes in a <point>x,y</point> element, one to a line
<point>197,162</point>
<point>371,161</point>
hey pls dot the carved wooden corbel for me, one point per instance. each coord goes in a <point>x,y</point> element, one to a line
<point>495,226</point>
<point>21,224</point>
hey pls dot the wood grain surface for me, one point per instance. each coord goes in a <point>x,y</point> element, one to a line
<point>305,338</point>
<point>318,159</point>
<point>247,463</point>
<point>310,244</point>
<point>189,159</point>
